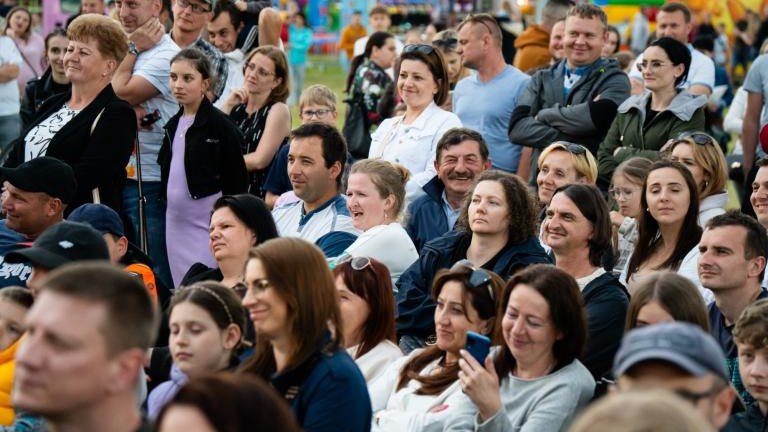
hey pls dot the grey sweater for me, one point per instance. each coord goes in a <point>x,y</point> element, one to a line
<point>546,404</point>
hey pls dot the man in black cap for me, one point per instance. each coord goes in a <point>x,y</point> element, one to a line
<point>35,195</point>
<point>63,243</point>
<point>680,357</point>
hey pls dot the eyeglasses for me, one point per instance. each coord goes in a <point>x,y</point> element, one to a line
<point>445,43</point>
<point>652,66</point>
<point>320,114</point>
<point>699,138</point>
<point>420,48</point>
<point>262,72</point>
<point>196,8</point>
<point>617,193</point>
<point>477,278</point>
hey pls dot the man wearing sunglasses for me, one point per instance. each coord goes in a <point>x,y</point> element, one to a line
<point>680,357</point>
<point>576,99</point>
<point>496,83</point>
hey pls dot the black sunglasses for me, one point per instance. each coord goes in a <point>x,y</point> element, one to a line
<point>572,148</point>
<point>445,43</point>
<point>477,278</point>
<point>420,48</point>
<point>699,138</point>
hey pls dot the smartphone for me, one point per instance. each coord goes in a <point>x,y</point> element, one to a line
<point>478,345</point>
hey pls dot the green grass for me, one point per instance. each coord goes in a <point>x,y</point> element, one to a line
<point>325,70</point>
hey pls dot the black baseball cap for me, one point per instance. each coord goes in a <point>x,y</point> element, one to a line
<point>43,174</point>
<point>61,244</point>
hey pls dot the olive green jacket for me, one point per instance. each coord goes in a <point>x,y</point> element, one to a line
<point>684,114</point>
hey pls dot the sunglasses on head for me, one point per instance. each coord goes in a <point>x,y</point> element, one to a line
<point>477,278</point>
<point>572,148</point>
<point>699,138</point>
<point>420,48</point>
<point>445,43</point>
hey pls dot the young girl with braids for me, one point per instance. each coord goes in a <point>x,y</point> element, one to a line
<point>207,323</point>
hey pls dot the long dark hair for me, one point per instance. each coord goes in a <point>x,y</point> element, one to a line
<point>485,306</point>
<point>590,202</point>
<point>649,234</point>
<point>378,40</point>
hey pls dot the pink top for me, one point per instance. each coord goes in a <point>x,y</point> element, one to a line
<point>33,59</point>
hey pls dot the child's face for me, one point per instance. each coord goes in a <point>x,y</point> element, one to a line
<point>753,367</point>
<point>197,344</point>
<point>11,322</point>
<point>310,113</point>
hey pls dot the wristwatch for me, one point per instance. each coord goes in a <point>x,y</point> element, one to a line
<point>132,48</point>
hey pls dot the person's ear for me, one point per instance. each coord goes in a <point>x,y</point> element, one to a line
<point>335,170</point>
<point>389,204</point>
<point>756,266</point>
<point>122,246</point>
<point>54,206</point>
<point>206,85</point>
<point>232,336</point>
<point>123,370</point>
<point>722,404</point>
<point>487,326</point>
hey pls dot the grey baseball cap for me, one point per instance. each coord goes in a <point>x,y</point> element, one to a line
<point>682,344</point>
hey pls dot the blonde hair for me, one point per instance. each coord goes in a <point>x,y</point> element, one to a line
<point>110,37</point>
<point>711,160</point>
<point>389,179</point>
<point>639,411</point>
<point>318,94</point>
<point>584,163</point>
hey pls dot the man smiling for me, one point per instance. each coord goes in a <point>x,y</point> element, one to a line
<point>461,155</point>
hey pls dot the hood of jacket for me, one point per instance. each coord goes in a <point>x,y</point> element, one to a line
<point>434,189</point>
<point>683,106</point>
<point>716,201</point>
<point>533,35</point>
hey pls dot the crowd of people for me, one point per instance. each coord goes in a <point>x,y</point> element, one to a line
<point>540,244</point>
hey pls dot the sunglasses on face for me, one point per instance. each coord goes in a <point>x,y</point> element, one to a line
<point>477,278</point>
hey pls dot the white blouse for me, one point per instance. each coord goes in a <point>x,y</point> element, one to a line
<point>37,140</point>
<point>413,145</point>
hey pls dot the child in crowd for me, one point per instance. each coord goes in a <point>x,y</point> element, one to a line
<point>751,337</point>
<point>626,186</point>
<point>207,323</point>
<point>14,305</point>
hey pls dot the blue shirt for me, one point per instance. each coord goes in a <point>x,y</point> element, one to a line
<point>451,214</point>
<point>300,39</point>
<point>487,108</point>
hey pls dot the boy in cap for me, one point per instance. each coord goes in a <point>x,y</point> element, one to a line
<point>121,252</point>
<point>680,357</point>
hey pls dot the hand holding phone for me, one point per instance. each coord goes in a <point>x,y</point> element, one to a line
<point>478,345</point>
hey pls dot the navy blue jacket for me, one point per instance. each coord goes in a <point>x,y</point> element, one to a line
<point>415,307</point>
<point>426,218</point>
<point>327,392</point>
<point>751,420</point>
<point>606,302</point>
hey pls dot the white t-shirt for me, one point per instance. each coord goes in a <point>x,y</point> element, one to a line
<point>10,102</point>
<point>37,140</point>
<point>154,65</point>
<point>701,72</point>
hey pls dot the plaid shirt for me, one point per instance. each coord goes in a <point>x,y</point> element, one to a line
<point>219,63</point>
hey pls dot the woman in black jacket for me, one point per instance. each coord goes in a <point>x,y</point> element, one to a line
<point>54,80</point>
<point>88,127</point>
<point>199,161</point>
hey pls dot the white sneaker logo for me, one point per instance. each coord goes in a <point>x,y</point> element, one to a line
<point>66,244</point>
